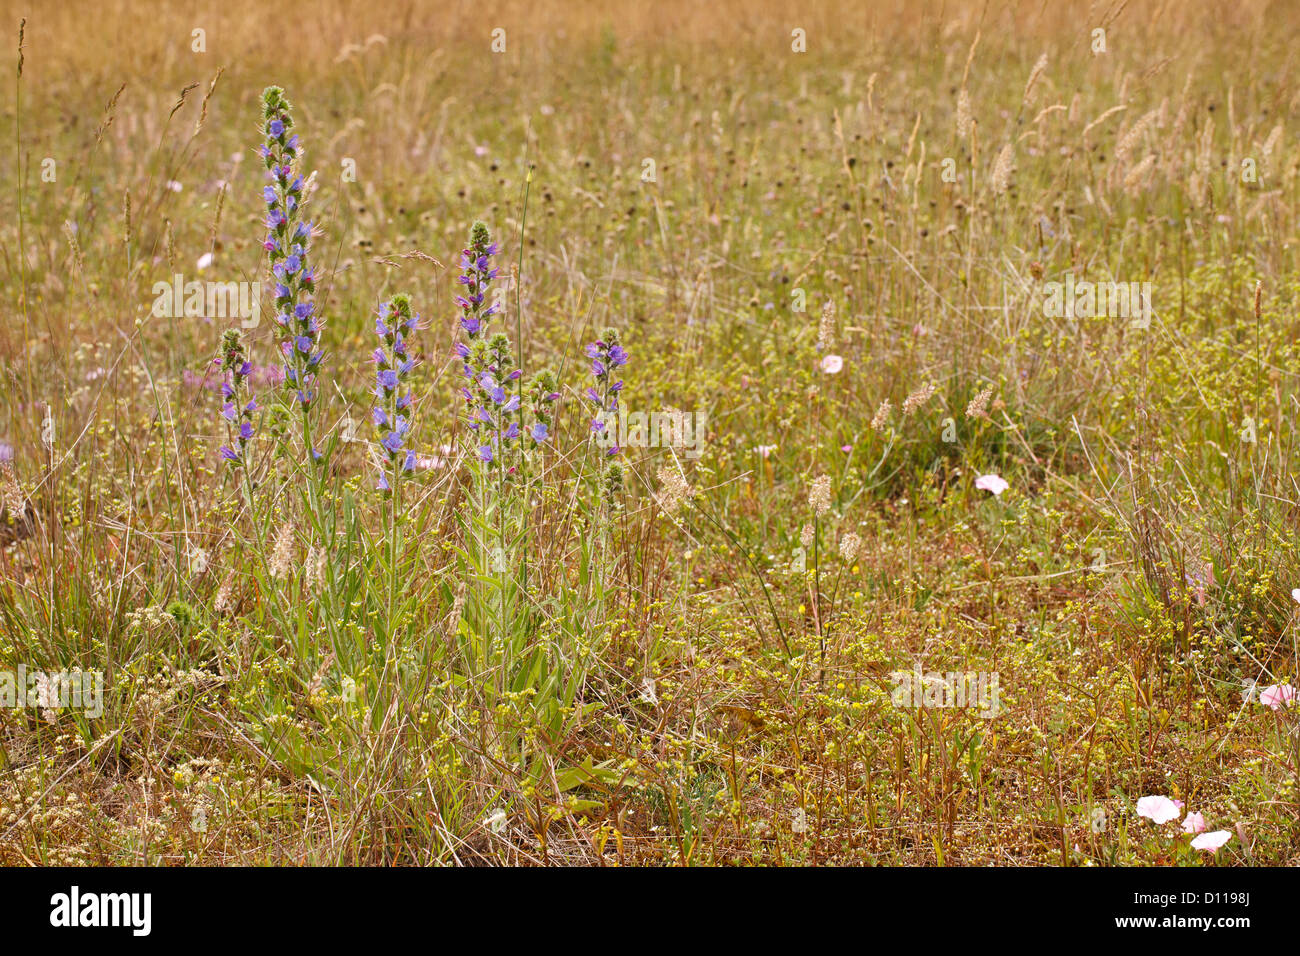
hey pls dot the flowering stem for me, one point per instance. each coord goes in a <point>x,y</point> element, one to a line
<point>817,597</point>
<point>519,338</point>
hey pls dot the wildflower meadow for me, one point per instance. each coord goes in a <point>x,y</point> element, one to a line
<point>566,434</point>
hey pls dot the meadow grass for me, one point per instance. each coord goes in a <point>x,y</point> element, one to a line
<point>834,260</point>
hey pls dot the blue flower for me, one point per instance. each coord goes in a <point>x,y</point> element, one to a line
<point>392,369</point>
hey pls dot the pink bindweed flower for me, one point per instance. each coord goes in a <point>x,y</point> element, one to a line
<point>993,483</point>
<point>1277,695</point>
<point>1212,841</point>
<point>1195,823</point>
<point>1295,595</point>
<point>1158,809</point>
<point>832,364</point>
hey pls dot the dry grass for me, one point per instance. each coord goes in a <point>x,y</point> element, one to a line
<point>709,694</point>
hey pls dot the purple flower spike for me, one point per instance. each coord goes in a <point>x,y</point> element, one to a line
<point>236,409</point>
<point>288,248</point>
<point>391,371</point>
<point>606,355</point>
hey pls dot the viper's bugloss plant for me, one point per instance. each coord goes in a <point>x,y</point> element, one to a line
<point>393,364</point>
<point>288,247</point>
<point>395,324</point>
<point>495,617</point>
<point>235,411</point>
<point>476,261</point>
<point>494,411</point>
<point>287,241</point>
<point>606,357</point>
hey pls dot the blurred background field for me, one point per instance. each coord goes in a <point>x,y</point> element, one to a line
<point>911,179</point>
